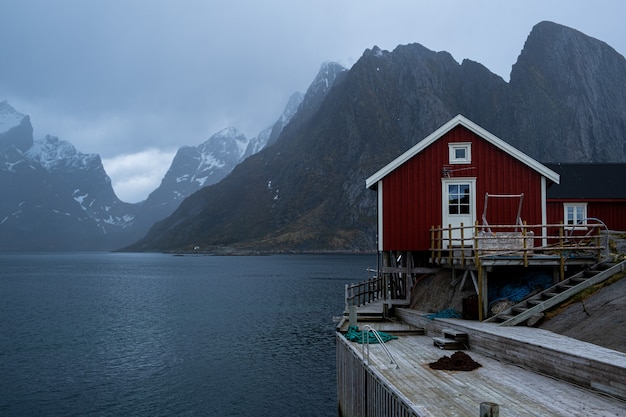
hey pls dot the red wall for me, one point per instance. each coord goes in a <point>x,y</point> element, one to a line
<point>412,193</point>
<point>612,213</point>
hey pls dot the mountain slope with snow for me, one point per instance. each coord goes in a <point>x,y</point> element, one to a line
<point>55,198</point>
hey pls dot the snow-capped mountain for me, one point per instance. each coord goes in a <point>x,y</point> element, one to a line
<point>195,167</point>
<point>192,168</point>
<point>84,174</point>
<point>57,198</point>
<point>54,197</point>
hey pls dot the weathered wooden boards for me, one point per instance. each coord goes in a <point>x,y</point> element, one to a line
<point>416,390</point>
<point>582,363</point>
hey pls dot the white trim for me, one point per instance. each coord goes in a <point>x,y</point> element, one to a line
<point>445,217</point>
<point>544,212</point>
<point>453,146</point>
<point>380,216</point>
<point>461,120</point>
<point>575,226</point>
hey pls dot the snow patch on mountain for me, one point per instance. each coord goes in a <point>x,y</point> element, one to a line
<point>208,161</point>
<point>53,154</point>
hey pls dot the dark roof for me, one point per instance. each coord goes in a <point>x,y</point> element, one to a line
<point>593,181</point>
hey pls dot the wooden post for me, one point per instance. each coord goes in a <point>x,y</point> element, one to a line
<point>408,285</point>
<point>352,316</point>
<point>449,244</point>
<point>439,245</point>
<point>476,258</point>
<point>347,296</point>
<point>524,246</point>
<point>481,293</point>
<point>489,410</point>
<point>462,245</point>
<point>385,284</point>
<point>598,242</point>
<point>561,257</point>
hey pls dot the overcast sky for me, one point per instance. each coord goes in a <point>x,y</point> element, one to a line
<point>134,80</point>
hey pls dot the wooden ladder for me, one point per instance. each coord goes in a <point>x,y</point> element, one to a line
<point>531,308</point>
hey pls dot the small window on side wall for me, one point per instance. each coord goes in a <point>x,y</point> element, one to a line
<point>575,214</point>
<point>460,153</point>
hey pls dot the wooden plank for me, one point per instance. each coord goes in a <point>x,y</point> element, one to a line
<point>457,335</point>
<point>448,344</point>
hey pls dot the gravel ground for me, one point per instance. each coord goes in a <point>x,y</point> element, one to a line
<point>599,319</point>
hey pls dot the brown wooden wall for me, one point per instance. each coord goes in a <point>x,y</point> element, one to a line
<point>412,193</point>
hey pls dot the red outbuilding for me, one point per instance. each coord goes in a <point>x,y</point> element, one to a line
<point>589,192</point>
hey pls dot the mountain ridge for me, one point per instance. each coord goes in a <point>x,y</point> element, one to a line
<point>299,184</point>
<point>59,199</point>
<point>375,111</point>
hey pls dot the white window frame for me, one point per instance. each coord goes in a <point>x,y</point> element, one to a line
<point>574,207</point>
<point>465,146</point>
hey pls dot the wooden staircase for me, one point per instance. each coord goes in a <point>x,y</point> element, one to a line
<point>530,309</point>
<point>452,339</point>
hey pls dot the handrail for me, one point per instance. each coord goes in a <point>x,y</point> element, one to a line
<point>565,239</point>
<point>380,342</point>
<point>364,292</point>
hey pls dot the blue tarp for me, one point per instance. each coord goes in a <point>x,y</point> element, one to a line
<point>448,313</point>
<point>517,292</point>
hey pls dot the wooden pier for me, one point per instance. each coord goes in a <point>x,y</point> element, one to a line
<point>526,371</point>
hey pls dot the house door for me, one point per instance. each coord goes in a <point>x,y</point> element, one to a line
<point>458,207</point>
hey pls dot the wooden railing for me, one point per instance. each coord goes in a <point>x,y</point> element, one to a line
<point>463,244</point>
<point>364,292</point>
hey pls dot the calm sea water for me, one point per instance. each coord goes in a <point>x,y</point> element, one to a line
<point>159,335</point>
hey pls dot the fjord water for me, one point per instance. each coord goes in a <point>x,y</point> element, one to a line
<point>110,334</point>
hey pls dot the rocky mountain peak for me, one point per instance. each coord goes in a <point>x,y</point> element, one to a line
<point>326,76</point>
<point>9,117</point>
<point>564,72</point>
<point>15,128</point>
<point>555,48</point>
<point>227,142</point>
<point>54,154</point>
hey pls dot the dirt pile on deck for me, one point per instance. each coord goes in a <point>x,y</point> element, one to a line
<point>459,361</point>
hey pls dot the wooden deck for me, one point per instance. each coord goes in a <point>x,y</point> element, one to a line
<point>518,390</point>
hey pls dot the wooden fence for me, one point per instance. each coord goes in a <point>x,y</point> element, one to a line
<point>469,244</point>
<point>364,292</point>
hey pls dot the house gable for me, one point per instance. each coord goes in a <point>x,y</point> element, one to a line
<point>460,120</point>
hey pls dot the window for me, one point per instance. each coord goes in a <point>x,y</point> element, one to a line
<point>575,213</point>
<point>460,153</point>
<point>458,199</point>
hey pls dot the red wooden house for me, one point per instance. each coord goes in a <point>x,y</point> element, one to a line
<point>464,199</point>
<point>459,174</point>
